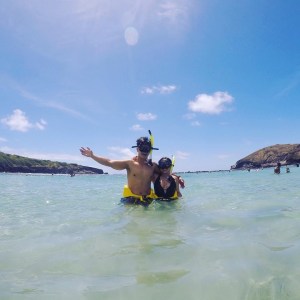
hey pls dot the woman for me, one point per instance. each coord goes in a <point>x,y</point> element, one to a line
<point>166,185</point>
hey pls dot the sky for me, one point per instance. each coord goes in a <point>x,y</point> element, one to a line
<point>214,80</point>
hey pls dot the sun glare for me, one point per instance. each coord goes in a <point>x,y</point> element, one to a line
<point>131,36</point>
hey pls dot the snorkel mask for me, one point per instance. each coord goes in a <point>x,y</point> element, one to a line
<point>145,145</point>
<point>165,163</point>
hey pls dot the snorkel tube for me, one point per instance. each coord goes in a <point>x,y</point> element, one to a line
<point>152,148</point>
<point>173,163</point>
<point>152,144</point>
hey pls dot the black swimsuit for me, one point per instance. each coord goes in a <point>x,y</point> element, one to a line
<point>165,194</point>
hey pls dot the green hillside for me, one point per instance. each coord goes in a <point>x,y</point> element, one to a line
<point>286,154</point>
<point>20,164</point>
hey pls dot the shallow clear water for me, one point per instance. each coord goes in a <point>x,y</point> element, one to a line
<point>233,236</point>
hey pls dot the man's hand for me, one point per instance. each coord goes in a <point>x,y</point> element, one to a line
<point>181,182</point>
<point>86,151</point>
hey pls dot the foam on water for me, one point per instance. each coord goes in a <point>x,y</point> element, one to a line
<point>233,236</point>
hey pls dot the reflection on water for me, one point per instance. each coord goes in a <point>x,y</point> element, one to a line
<point>272,288</point>
<point>160,277</point>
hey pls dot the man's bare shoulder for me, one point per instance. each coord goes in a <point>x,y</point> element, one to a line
<point>132,163</point>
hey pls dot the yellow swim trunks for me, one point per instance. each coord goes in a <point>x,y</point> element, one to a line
<point>131,198</point>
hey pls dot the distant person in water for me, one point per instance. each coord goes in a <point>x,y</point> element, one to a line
<point>139,171</point>
<point>166,185</point>
<point>287,169</point>
<point>277,168</point>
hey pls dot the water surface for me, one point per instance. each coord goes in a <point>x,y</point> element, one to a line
<point>234,235</point>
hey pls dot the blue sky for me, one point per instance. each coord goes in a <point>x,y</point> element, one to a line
<point>214,80</point>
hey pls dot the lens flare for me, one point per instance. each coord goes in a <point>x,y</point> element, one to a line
<point>131,36</point>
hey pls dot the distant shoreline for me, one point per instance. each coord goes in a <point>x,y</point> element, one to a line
<point>49,174</point>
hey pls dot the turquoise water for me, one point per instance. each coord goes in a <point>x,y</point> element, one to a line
<point>233,236</point>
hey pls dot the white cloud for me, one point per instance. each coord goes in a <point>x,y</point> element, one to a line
<point>211,104</point>
<point>182,155</point>
<point>147,90</point>
<point>3,139</point>
<point>19,122</point>
<point>162,89</point>
<point>190,117</point>
<point>174,11</point>
<point>121,153</point>
<point>137,127</point>
<point>146,117</point>
<point>167,89</point>
<point>41,125</point>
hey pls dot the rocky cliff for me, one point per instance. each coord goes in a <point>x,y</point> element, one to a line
<point>286,154</point>
<point>19,164</point>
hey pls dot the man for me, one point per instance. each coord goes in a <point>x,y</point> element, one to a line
<point>277,168</point>
<point>139,171</point>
